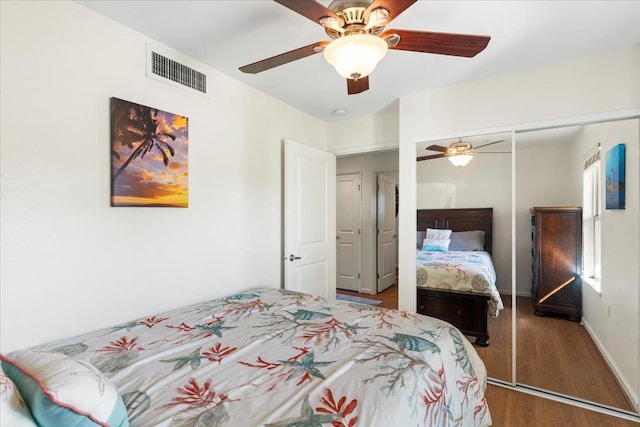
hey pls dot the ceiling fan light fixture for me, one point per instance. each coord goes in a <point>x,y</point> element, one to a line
<point>460,160</point>
<point>378,17</point>
<point>356,55</point>
<point>331,23</point>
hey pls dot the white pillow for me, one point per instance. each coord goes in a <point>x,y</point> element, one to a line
<point>436,233</point>
<point>61,391</point>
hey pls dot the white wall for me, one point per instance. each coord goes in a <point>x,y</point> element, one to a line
<point>484,183</point>
<point>363,134</point>
<point>368,165</point>
<point>544,177</point>
<point>597,85</point>
<point>70,262</point>
<point>616,334</point>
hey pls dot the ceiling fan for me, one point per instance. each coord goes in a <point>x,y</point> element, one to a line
<point>358,40</point>
<point>459,153</point>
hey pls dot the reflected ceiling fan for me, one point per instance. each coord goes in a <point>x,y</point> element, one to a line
<point>358,40</point>
<point>459,153</point>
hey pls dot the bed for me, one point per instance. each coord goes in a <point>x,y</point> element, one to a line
<point>458,286</point>
<point>262,357</point>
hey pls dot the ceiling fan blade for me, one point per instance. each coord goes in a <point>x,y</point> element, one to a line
<point>355,87</point>
<point>433,156</point>
<point>487,144</point>
<point>439,43</point>
<point>395,8</point>
<point>310,9</point>
<point>283,58</point>
<point>492,152</point>
<point>437,148</point>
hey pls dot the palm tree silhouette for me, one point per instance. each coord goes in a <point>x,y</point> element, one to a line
<point>136,124</point>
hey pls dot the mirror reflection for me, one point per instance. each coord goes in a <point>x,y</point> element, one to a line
<point>464,185</point>
<point>577,270</point>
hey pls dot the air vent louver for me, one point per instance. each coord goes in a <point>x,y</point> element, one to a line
<point>176,72</point>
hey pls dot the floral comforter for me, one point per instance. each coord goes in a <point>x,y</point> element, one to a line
<point>467,271</point>
<point>280,358</point>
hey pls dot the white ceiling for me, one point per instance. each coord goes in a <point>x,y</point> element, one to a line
<point>227,34</point>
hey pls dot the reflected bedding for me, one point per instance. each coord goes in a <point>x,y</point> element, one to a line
<point>466,271</point>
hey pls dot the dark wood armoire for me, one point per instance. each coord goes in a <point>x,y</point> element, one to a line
<point>556,249</point>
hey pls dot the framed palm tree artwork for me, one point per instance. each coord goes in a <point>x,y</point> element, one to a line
<point>149,156</point>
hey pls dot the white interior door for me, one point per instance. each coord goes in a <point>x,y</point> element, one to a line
<point>348,231</point>
<point>386,231</point>
<point>309,220</point>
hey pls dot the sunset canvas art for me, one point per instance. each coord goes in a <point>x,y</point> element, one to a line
<point>149,156</point>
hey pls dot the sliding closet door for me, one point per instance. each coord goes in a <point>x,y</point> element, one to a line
<point>596,357</point>
<point>486,182</point>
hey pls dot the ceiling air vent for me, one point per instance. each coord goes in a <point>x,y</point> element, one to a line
<point>170,71</point>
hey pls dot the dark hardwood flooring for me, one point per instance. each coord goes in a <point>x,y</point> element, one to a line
<point>543,361</point>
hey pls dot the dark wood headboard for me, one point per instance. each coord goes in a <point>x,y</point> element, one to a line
<point>459,220</point>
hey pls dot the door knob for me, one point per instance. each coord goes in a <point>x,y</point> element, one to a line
<point>292,257</point>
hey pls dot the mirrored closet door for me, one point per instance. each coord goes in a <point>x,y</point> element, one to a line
<point>568,274</point>
<point>485,182</point>
<point>576,257</point>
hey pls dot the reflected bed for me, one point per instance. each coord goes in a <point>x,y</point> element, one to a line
<point>457,285</point>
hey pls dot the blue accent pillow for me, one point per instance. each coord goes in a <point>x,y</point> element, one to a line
<point>61,391</point>
<point>436,245</point>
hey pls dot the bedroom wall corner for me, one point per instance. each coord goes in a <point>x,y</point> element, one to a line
<point>612,316</point>
<point>70,262</point>
<point>375,132</point>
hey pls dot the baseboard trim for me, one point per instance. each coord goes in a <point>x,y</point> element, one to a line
<point>624,384</point>
<point>568,400</point>
<point>518,293</point>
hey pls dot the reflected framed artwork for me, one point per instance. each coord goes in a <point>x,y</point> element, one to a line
<point>149,156</point>
<point>615,177</point>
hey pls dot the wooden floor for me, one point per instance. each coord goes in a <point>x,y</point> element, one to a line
<point>389,296</point>
<point>577,369</point>
<point>497,356</point>
<point>553,354</point>
<point>511,408</point>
